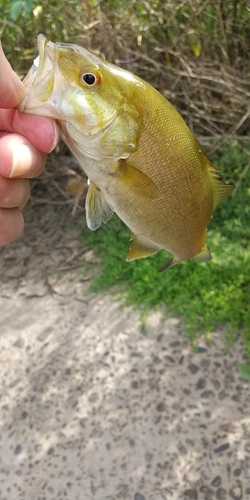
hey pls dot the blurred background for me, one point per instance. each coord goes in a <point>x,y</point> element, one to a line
<point>197,53</point>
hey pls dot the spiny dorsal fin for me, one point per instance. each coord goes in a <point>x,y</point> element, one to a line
<point>97,209</point>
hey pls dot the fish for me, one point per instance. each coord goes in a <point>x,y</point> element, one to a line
<point>142,160</point>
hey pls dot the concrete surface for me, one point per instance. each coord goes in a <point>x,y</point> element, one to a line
<point>95,408</point>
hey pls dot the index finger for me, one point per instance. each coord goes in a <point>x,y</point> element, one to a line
<point>12,90</point>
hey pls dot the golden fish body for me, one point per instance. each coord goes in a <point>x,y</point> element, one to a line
<point>142,160</point>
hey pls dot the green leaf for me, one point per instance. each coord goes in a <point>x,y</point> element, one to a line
<point>16,9</point>
<point>244,370</point>
<point>28,6</point>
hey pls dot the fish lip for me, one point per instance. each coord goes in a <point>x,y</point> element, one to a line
<point>38,64</point>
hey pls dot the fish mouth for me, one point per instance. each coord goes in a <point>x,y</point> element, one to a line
<point>40,79</point>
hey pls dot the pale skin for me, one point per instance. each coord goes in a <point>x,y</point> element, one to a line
<point>24,142</point>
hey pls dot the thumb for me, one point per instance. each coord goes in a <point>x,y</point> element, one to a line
<point>12,90</point>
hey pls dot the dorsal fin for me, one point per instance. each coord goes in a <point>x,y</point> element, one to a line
<point>221,191</point>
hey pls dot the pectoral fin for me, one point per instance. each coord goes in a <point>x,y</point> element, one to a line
<point>97,209</point>
<point>136,180</point>
<point>140,249</point>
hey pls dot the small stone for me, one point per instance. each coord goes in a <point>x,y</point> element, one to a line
<point>236,397</point>
<point>209,495</point>
<point>193,368</point>
<point>247,473</point>
<point>205,363</point>
<point>221,494</point>
<point>201,383</point>
<point>228,364</point>
<point>35,288</point>
<point>19,343</point>
<point>18,449</point>
<point>222,447</point>
<point>237,472</point>
<point>216,481</point>
<point>222,395</point>
<point>14,271</point>
<point>206,475</point>
<point>236,492</point>
<point>160,407</point>
<point>215,383</point>
<point>24,414</point>
<point>43,335</point>
<point>190,495</point>
<point>50,450</point>
<point>132,442</point>
<point>82,421</point>
<point>175,343</point>
<point>134,384</point>
<point>247,447</point>
<point>149,457</point>
<point>202,349</point>
<point>159,337</point>
<point>93,397</point>
<point>207,394</point>
<point>138,496</point>
<point>182,449</point>
<point>157,360</point>
<point>169,358</point>
<point>229,379</point>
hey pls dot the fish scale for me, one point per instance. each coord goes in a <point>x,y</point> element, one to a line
<point>142,160</point>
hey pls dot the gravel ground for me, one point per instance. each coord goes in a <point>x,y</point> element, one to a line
<point>93,407</point>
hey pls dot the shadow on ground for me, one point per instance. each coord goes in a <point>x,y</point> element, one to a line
<point>94,408</point>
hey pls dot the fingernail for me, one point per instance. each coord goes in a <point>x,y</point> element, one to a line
<point>23,159</point>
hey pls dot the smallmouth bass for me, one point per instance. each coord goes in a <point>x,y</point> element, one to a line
<point>142,160</point>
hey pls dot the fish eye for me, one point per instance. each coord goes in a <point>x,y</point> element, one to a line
<point>90,78</point>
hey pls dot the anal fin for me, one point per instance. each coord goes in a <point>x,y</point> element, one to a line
<point>204,255</point>
<point>97,209</point>
<point>140,249</point>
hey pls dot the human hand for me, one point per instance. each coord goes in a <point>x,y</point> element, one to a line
<point>24,141</point>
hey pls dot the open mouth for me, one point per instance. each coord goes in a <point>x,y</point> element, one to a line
<point>40,79</point>
<point>44,63</point>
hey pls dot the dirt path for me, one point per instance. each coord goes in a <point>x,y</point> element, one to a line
<point>92,407</point>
